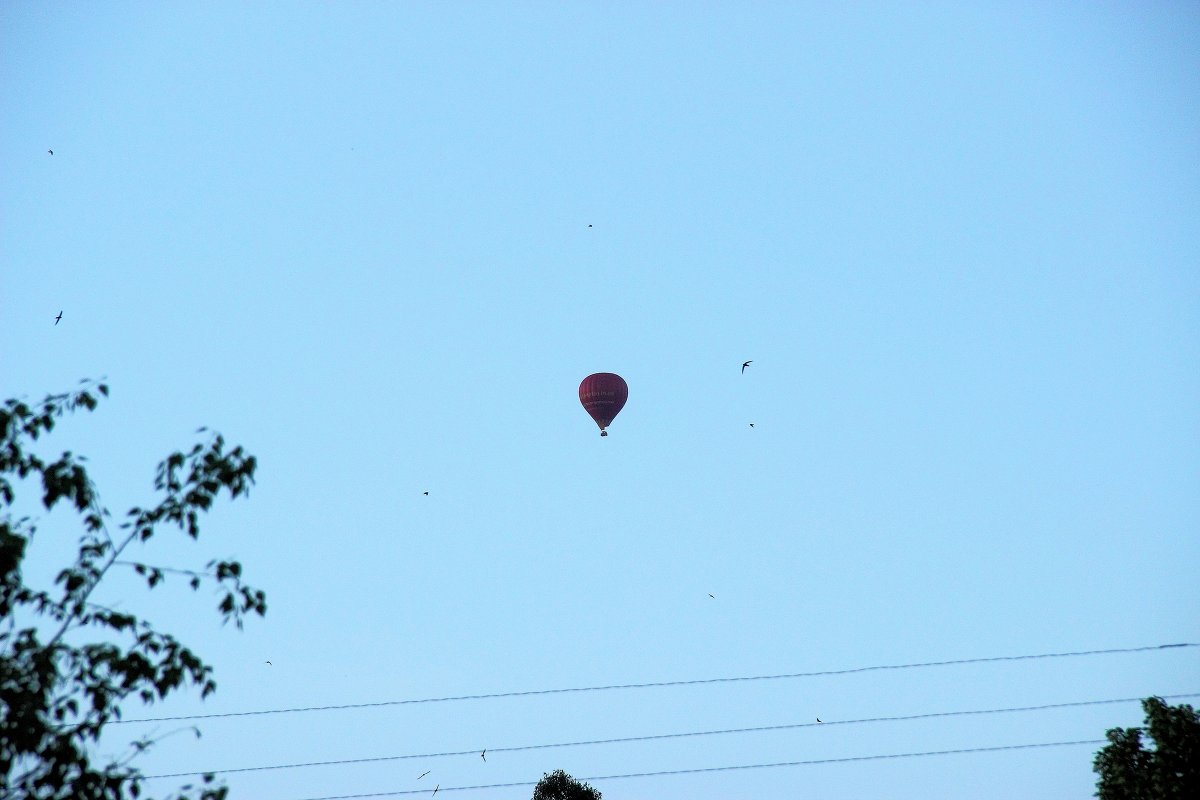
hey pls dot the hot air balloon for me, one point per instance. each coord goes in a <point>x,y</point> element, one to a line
<point>603,396</point>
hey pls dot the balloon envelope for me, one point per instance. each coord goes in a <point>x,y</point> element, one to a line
<point>603,396</point>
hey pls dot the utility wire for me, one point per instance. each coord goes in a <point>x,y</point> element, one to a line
<point>627,739</point>
<point>660,684</point>
<point>664,773</point>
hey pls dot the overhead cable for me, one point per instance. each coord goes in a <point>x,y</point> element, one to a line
<point>659,684</point>
<point>664,773</point>
<point>627,739</point>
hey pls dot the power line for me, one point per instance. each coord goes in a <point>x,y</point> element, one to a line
<point>664,773</point>
<point>660,684</point>
<point>660,736</point>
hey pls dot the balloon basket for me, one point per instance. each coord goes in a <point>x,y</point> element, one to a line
<point>604,433</point>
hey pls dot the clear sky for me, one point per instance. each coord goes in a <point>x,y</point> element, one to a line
<point>380,244</point>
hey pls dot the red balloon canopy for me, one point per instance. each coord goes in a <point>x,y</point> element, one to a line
<point>603,396</point>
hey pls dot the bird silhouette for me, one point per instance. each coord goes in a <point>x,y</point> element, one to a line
<point>483,755</point>
<point>269,664</point>
<point>423,774</point>
<point>818,719</point>
<point>435,790</point>
<point>744,365</point>
<point>56,319</point>
<point>425,493</point>
<point>589,226</point>
<point>713,596</point>
<point>751,424</point>
<point>51,152</point>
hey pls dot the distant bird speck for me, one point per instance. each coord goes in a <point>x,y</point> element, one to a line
<point>818,719</point>
<point>51,152</point>
<point>435,790</point>
<point>589,226</point>
<point>710,594</point>
<point>751,424</point>
<point>269,664</point>
<point>56,319</point>
<point>483,755</point>
<point>744,365</point>
<point>425,493</point>
<point>423,774</point>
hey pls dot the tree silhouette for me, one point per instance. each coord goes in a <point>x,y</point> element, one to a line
<point>1171,771</point>
<point>558,785</point>
<point>68,663</point>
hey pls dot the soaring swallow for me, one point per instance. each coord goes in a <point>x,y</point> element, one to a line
<point>744,365</point>
<point>56,319</point>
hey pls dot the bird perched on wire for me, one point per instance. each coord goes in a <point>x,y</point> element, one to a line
<point>744,365</point>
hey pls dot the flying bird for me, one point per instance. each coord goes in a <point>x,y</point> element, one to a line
<point>744,365</point>
<point>710,594</point>
<point>56,319</point>
<point>51,152</point>
<point>483,755</point>
<point>435,790</point>
<point>423,774</point>
<point>589,226</point>
<point>269,664</point>
<point>751,424</point>
<point>818,719</point>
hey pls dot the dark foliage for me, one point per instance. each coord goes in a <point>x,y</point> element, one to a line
<point>558,785</point>
<point>69,666</point>
<point>1170,771</point>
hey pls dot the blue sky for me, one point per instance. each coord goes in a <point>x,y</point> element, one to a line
<point>958,241</point>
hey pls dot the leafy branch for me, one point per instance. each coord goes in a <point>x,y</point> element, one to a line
<point>59,696</point>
